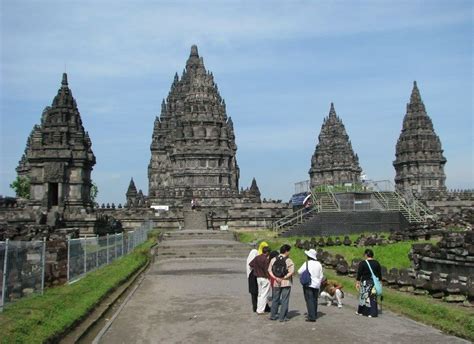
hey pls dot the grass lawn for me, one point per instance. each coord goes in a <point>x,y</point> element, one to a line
<point>37,318</point>
<point>390,256</point>
<point>449,318</point>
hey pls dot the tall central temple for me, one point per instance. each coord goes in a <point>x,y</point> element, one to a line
<point>193,150</point>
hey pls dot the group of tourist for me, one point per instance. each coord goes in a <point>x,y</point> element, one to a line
<point>271,272</point>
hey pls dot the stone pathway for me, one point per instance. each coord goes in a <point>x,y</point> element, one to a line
<point>205,300</point>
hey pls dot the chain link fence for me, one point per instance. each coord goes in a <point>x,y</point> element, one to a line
<point>88,254</point>
<point>22,263</point>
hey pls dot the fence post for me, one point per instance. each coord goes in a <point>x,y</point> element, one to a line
<point>85,256</point>
<point>4,277</point>
<point>97,252</point>
<point>116,246</point>
<point>107,248</point>
<point>68,255</point>
<point>123,239</point>
<point>43,266</point>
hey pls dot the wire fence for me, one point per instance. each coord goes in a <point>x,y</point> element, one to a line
<point>88,254</point>
<point>23,263</point>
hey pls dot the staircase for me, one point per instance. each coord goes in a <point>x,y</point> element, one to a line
<point>201,244</point>
<point>295,218</point>
<point>326,202</point>
<point>391,200</point>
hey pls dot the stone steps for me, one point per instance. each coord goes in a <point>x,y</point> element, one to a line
<point>201,244</point>
<point>196,234</point>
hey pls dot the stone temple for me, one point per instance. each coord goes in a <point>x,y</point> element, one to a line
<point>419,162</point>
<point>194,157</point>
<point>334,161</point>
<point>58,157</point>
<point>193,150</point>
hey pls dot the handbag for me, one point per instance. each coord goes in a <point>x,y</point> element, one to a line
<point>305,277</point>
<point>377,283</point>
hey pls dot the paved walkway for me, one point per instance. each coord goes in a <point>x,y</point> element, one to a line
<point>206,301</point>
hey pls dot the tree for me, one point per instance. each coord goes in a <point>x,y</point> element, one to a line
<point>21,185</point>
<point>94,192</point>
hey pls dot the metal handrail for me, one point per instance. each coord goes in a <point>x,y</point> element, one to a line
<point>334,199</point>
<point>295,217</point>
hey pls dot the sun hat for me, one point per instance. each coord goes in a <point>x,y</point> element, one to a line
<point>311,253</point>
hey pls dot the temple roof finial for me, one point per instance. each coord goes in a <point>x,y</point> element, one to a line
<point>415,94</point>
<point>64,81</point>
<point>332,111</point>
<point>194,51</point>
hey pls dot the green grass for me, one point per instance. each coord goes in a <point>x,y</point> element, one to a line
<point>449,318</point>
<point>390,256</point>
<point>39,318</point>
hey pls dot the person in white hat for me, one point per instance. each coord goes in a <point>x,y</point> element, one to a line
<point>311,290</point>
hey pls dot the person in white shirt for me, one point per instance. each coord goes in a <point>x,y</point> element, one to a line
<point>312,290</point>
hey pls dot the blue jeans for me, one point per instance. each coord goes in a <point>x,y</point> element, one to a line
<point>281,296</point>
<point>311,298</point>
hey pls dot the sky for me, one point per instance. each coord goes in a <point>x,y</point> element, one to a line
<point>278,65</point>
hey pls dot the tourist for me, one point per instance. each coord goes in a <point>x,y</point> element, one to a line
<point>332,292</point>
<point>281,269</point>
<point>260,267</point>
<point>261,246</point>
<point>365,285</point>
<point>252,279</point>
<point>311,291</point>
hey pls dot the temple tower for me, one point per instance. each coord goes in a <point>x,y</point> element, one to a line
<point>419,161</point>
<point>58,158</point>
<point>131,195</point>
<point>334,161</point>
<point>193,143</point>
<point>252,194</point>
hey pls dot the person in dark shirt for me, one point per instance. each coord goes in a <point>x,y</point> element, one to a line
<point>365,285</point>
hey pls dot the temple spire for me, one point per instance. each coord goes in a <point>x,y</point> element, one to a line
<point>419,161</point>
<point>332,111</point>
<point>194,51</point>
<point>334,161</point>
<point>415,94</point>
<point>64,81</point>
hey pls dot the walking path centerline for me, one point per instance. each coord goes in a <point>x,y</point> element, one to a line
<point>205,300</point>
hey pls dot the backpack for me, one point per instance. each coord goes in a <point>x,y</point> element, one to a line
<point>377,284</point>
<point>279,267</point>
<point>305,277</point>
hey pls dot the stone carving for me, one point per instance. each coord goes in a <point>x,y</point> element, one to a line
<point>334,161</point>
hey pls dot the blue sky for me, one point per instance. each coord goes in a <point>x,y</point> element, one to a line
<point>278,65</point>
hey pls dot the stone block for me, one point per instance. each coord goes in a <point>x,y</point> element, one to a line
<point>454,298</point>
<point>420,292</point>
<point>407,289</point>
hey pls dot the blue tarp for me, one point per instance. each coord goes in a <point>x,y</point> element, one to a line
<point>297,199</point>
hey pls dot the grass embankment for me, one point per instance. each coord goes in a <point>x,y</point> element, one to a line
<point>40,318</point>
<point>449,318</point>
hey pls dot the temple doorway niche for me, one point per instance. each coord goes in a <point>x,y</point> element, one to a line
<point>53,194</point>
